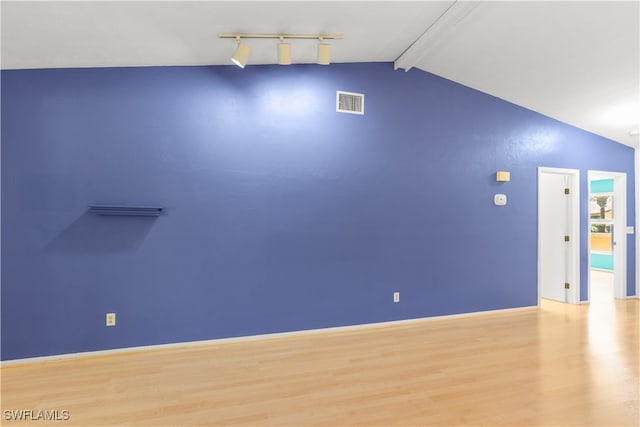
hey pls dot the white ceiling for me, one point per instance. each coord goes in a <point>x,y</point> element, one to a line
<point>577,61</point>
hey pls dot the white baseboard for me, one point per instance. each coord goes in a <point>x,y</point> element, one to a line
<point>627,297</point>
<point>217,341</point>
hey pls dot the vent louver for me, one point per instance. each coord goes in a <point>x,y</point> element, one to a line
<point>349,102</point>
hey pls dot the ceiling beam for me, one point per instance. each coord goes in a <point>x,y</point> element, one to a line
<point>435,33</point>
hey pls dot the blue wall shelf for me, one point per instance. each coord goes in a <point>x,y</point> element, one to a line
<point>124,210</point>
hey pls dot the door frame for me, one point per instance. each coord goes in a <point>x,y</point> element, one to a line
<point>636,261</point>
<point>619,230</point>
<point>573,261</point>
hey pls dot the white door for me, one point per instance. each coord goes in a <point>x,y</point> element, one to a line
<point>558,235</point>
<point>620,235</point>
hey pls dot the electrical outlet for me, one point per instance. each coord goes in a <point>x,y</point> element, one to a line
<point>111,319</point>
<point>396,297</point>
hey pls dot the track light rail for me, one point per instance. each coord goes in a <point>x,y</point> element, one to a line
<point>281,36</point>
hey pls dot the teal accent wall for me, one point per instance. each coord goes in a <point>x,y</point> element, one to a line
<point>602,261</point>
<point>601,186</point>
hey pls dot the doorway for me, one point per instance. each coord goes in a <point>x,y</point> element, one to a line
<point>607,236</point>
<point>559,234</point>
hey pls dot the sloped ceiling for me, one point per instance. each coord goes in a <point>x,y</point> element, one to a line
<point>578,62</point>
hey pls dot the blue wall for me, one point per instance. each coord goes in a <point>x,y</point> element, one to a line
<point>281,214</point>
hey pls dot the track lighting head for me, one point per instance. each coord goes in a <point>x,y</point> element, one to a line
<point>324,53</point>
<point>284,52</point>
<point>241,55</point>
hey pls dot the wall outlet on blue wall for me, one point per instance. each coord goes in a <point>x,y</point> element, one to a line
<point>111,319</point>
<point>396,297</point>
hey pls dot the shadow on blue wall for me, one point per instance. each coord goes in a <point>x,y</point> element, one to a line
<point>100,234</point>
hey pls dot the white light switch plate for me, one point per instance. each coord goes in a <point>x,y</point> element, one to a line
<point>630,229</point>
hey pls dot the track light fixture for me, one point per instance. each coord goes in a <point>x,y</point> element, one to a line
<point>241,55</point>
<point>284,52</point>
<point>324,52</point>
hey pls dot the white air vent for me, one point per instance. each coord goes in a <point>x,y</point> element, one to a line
<point>348,102</point>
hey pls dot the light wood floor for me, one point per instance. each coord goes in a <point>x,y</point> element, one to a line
<point>601,286</point>
<point>559,365</point>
